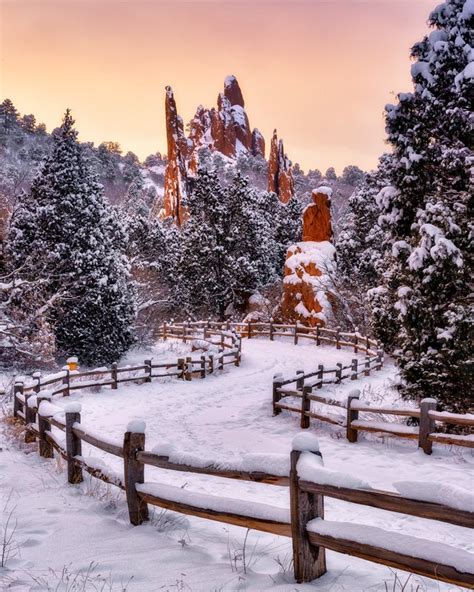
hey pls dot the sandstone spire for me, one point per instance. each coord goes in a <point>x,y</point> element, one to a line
<point>176,178</point>
<point>280,177</point>
<point>309,266</point>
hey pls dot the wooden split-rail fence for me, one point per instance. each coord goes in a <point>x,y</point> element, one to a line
<point>224,349</point>
<point>226,337</point>
<point>304,520</point>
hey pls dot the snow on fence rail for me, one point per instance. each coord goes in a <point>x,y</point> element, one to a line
<point>302,519</point>
<point>228,348</point>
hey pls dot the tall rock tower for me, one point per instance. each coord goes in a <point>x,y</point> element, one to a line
<point>309,264</point>
<point>280,176</point>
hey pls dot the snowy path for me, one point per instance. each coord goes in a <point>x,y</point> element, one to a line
<point>220,417</point>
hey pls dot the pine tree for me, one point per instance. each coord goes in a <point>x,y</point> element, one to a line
<point>64,235</point>
<point>205,269</point>
<point>230,248</point>
<point>360,246</point>
<point>288,227</point>
<point>426,212</point>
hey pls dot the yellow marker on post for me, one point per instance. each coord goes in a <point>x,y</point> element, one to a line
<point>72,364</point>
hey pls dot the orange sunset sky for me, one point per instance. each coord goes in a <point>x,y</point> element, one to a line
<point>319,71</point>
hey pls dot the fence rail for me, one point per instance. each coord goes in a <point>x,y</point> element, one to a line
<point>303,520</point>
<point>425,433</point>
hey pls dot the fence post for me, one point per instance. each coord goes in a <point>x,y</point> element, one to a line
<point>66,381</point>
<point>211,363</point>
<point>318,335</point>
<point>296,334</point>
<point>367,366</point>
<point>338,337</point>
<point>249,329</point>
<point>320,375</point>
<point>134,471</point>
<point>188,375</point>
<point>29,418</point>
<point>300,380</point>
<point>271,329</point>
<point>276,394</point>
<point>44,447</point>
<point>356,340</point>
<point>148,370</point>
<point>221,361</point>
<point>352,415</point>
<point>165,336</point>
<point>114,376</point>
<point>339,373</point>
<point>379,359</point>
<point>37,377</point>
<point>181,368</point>
<point>17,390</point>
<point>305,407</point>
<point>309,562</point>
<point>73,443</point>
<point>354,367</point>
<point>427,425</point>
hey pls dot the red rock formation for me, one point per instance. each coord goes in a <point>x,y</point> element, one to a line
<point>225,130</point>
<point>317,217</point>
<point>232,91</point>
<point>226,138</point>
<point>176,179</point>
<point>280,177</point>
<point>258,143</point>
<point>308,266</point>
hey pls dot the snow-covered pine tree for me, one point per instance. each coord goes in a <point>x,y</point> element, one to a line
<point>427,213</point>
<point>205,268</point>
<point>229,245</point>
<point>253,246</point>
<point>64,235</point>
<point>360,246</point>
<point>288,227</point>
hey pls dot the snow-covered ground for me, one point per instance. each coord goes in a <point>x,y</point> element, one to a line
<point>61,529</point>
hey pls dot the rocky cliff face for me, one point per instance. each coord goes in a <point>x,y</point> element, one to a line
<point>309,264</point>
<point>226,130</point>
<point>280,177</point>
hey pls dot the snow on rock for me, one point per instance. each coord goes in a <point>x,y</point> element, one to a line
<point>435,552</point>
<point>437,493</point>
<point>307,281</point>
<point>137,426</point>
<point>208,501</point>
<point>310,264</point>
<point>325,190</point>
